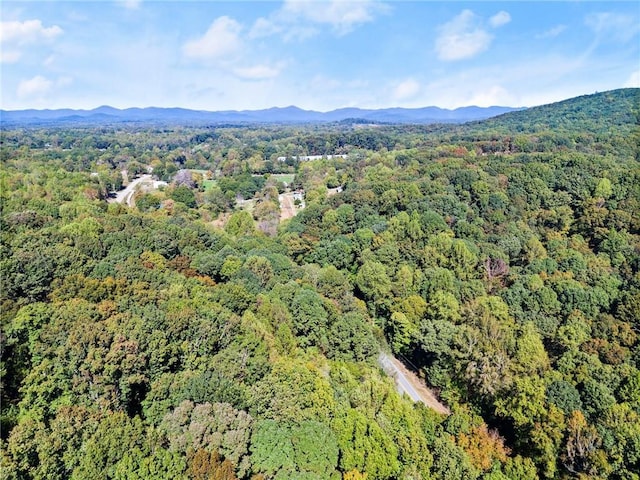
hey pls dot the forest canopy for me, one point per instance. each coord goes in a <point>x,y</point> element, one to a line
<point>198,332</point>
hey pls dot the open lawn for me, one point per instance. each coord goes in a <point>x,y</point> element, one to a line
<point>284,177</point>
<point>209,184</point>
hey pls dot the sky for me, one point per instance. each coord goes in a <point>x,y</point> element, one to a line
<point>318,55</point>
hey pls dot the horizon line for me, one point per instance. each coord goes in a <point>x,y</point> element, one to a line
<point>260,109</point>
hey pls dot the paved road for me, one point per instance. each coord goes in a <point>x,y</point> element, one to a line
<point>409,383</point>
<point>126,195</point>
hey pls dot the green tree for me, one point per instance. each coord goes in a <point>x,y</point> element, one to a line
<point>115,437</point>
<point>364,446</point>
<point>300,450</point>
<point>185,195</point>
<point>240,223</point>
<point>212,427</point>
<point>310,319</point>
<point>372,280</point>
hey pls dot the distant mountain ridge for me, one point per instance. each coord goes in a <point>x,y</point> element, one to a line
<point>291,114</point>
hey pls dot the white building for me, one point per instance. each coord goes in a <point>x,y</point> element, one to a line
<point>308,158</point>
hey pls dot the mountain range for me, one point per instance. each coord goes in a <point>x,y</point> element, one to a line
<point>291,114</point>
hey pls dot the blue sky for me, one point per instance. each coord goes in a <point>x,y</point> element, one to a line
<point>319,55</point>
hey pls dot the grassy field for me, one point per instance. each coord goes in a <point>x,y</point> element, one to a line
<point>284,177</point>
<point>207,184</point>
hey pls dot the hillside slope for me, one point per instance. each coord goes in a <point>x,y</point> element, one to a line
<point>596,113</point>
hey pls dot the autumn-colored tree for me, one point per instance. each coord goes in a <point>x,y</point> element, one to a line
<point>485,447</point>
<point>205,465</point>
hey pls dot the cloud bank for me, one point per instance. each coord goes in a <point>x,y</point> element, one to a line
<point>466,35</point>
<point>304,19</point>
<point>220,40</point>
<point>15,36</point>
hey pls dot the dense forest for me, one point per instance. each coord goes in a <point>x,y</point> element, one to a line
<point>195,334</point>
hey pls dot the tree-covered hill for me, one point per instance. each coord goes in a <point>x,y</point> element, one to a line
<point>596,114</point>
<point>602,123</point>
<point>193,335</point>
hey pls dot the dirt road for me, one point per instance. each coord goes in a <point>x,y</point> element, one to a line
<point>407,382</point>
<point>287,207</point>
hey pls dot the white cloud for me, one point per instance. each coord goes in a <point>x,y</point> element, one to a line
<point>406,90</point>
<point>300,18</point>
<point>221,40</point>
<point>495,95</point>
<point>224,47</point>
<point>342,16</point>
<point>38,87</point>
<point>552,32</point>
<point>34,87</point>
<point>29,31</point>
<point>529,81</point>
<point>297,31</point>
<point>263,28</point>
<point>499,19</point>
<point>615,26</point>
<point>9,56</point>
<point>463,37</point>
<point>633,81</point>
<point>15,35</point>
<point>258,72</point>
